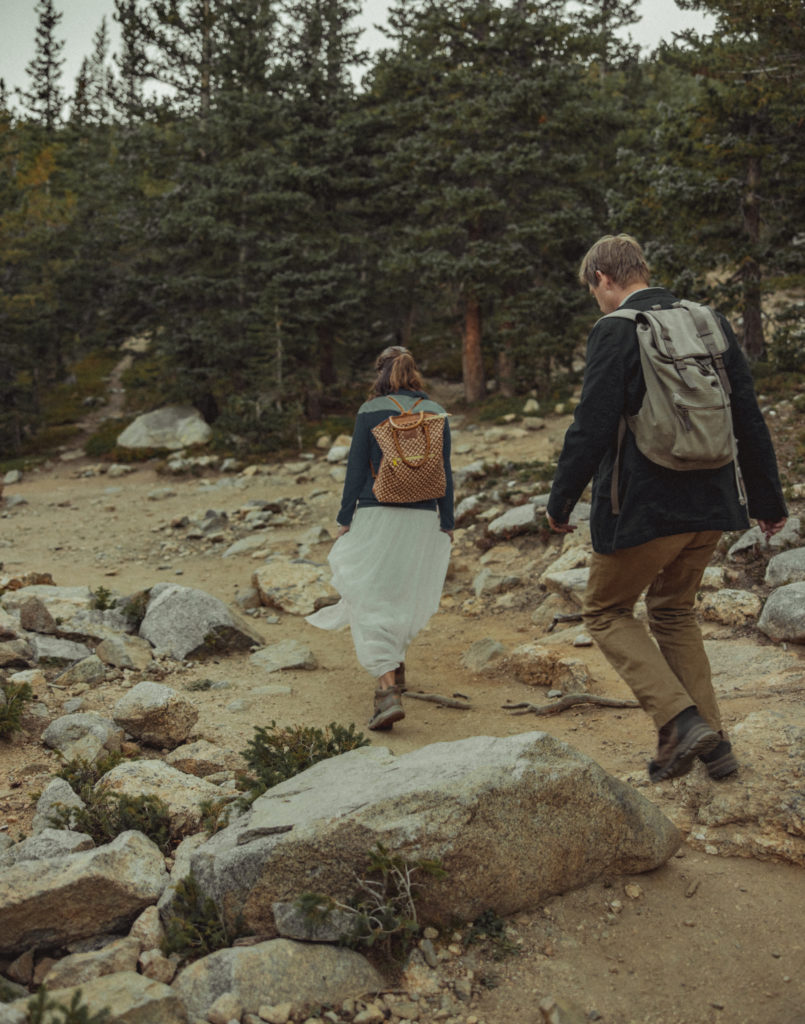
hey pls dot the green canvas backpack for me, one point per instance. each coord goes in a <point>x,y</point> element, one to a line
<point>685,420</point>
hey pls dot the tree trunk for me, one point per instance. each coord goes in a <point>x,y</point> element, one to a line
<point>505,368</point>
<point>327,374</point>
<point>751,273</point>
<point>472,363</point>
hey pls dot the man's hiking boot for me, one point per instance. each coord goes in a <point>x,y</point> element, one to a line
<point>388,709</point>
<point>720,761</point>
<point>683,739</point>
<point>399,678</point>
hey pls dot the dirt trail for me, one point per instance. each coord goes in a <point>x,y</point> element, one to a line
<point>702,940</point>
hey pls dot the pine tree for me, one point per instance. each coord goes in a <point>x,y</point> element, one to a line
<point>44,99</point>
<point>722,172</point>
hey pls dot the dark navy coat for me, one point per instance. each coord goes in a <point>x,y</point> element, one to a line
<point>655,501</point>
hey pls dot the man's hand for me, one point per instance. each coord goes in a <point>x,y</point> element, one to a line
<point>769,528</point>
<point>559,527</point>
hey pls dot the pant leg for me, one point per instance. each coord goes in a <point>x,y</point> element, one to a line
<point>670,602</point>
<point>616,582</point>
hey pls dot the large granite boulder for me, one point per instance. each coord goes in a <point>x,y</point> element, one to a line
<point>513,820</point>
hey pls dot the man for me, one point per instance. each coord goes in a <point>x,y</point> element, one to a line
<point>668,523</point>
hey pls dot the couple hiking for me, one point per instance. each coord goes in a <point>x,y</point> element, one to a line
<point>654,524</point>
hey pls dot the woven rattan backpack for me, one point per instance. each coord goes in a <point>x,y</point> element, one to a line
<point>412,463</point>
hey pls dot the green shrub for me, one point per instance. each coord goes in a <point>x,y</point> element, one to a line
<point>194,927</point>
<point>13,698</point>
<point>106,815</point>
<point>383,910</point>
<point>44,1010</point>
<point>82,774</point>
<point>275,754</point>
<point>103,599</point>
<point>490,927</point>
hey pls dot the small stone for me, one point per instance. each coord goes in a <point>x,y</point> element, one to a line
<point>277,1014</point>
<point>633,891</point>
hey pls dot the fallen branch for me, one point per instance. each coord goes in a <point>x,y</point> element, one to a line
<point>570,700</point>
<point>435,698</point>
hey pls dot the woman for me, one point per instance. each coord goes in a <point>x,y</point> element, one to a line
<point>389,561</point>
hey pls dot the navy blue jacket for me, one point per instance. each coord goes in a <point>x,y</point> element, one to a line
<point>365,449</point>
<point>655,501</point>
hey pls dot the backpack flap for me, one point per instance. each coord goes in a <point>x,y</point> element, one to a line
<point>685,421</point>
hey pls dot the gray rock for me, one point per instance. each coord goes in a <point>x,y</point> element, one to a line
<point>538,665</point>
<point>481,654</point>
<point>783,616</point>
<point>730,607</point>
<point>126,652</point>
<point>466,507</point>
<point>247,545</point>
<point>787,567</point>
<point>51,650</point>
<point>87,735</point>
<point>172,427</point>
<point>61,602</point>
<point>569,584</point>
<point>521,519</point>
<point>50,842</point>
<point>156,715</point>
<point>326,925</point>
<point>100,891</point>
<point>134,999</point>
<point>284,655</point>
<point>16,654</point>
<point>500,813</point>
<point>35,617</point>
<point>203,758</point>
<point>296,587</point>
<point>182,794</point>
<point>79,968</point>
<point>88,672</point>
<point>184,622</point>
<point>58,795</point>
<point>489,582</point>
<point>275,972</point>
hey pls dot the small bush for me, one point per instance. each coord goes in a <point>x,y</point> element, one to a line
<point>44,1010</point>
<point>82,774</point>
<point>277,754</point>
<point>13,698</point>
<point>103,599</point>
<point>490,927</point>
<point>106,815</point>
<point>194,927</point>
<point>383,910</point>
<point>134,608</point>
<point>214,815</point>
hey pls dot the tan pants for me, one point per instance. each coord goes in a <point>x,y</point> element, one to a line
<point>674,673</point>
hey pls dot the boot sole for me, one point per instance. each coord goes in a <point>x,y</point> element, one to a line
<point>386,719</point>
<point>700,739</point>
<point>721,768</point>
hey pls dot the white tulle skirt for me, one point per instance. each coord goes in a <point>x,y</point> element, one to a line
<point>389,570</point>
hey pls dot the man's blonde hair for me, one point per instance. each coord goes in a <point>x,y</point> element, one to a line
<point>619,257</point>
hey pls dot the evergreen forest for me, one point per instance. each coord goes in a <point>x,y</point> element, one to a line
<point>269,205</point>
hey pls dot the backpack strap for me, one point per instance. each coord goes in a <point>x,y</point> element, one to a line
<point>391,398</point>
<point>702,318</point>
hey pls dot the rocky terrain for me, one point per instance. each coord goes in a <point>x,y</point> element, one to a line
<point>159,610</point>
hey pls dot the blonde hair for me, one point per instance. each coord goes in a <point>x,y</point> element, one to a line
<point>619,257</point>
<point>396,369</point>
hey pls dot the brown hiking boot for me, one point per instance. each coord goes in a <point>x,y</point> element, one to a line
<point>399,678</point>
<point>388,709</point>
<point>683,739</point>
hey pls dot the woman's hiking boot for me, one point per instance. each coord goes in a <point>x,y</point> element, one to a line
<point>388,709</point>
<point>683,739</point>
<point>399,678</point>
<point>720,761</point>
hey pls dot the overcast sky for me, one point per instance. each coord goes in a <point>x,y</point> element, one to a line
<point>81,18</point>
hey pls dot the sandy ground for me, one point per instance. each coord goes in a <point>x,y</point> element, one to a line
<point>704,939</point>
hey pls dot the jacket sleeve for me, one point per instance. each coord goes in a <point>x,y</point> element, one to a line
<point>445,504</point>
<point>595,424</point>
<point>755,449</point>
<point>357,470</point>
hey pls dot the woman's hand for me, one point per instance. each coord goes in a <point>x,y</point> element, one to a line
<point>449,534</point>
<point>341,531</point>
